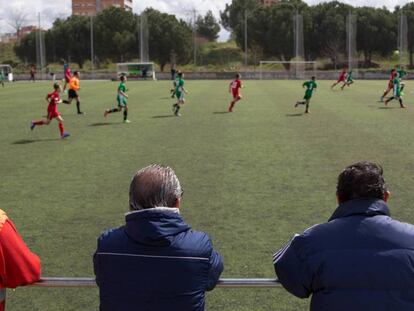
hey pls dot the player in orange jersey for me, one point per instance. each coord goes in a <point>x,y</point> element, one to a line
<point>74,87</point>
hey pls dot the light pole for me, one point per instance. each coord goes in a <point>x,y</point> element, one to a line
<point>92,49</point>
<point>245,37</point>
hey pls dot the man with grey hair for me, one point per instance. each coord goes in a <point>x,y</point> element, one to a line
<point>155,261</point>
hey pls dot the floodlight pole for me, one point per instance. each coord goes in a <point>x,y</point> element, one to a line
<point>92,49</point>
<point>195,37</point>
<point>245,37</point>
<point>41,58</point>
<point>401,38</point>
<point>349,40</point>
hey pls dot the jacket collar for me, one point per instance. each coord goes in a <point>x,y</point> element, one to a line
<point>361,207</point>
<point>154,226</point>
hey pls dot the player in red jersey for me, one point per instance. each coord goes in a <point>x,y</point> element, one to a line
<point>341,79</point>
<point>390,86</point>
<point>68,75</point>
<point>52,113</point>
<point>234,88</point>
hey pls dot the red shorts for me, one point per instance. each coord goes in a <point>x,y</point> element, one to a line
<point>341,79</point>
<point>390,85</point>
<point>236,94</point>
<point>52,113</point>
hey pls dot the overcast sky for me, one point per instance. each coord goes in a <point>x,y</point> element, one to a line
<point>51,9</point>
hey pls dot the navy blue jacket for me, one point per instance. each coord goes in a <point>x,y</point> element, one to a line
<point>155,263</point>
<point>361,260</point>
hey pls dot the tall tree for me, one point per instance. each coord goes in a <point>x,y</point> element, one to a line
<point>116,34</point>
<point>329,23</point>
<point>375,29</point>
<point>166,33</point>
<point>408,10</point>
<point>26,49</point>
<point>17,18</point>
<point>207,26</point>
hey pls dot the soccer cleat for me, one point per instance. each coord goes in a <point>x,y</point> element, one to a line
<point>81,113</point>
<point>127,121</point>
<point>297,104</point>
<point>64,135</point>
<point>32,126</point>
<point>106,113</point>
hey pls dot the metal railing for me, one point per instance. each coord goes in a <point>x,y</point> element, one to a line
<point>90,282</point>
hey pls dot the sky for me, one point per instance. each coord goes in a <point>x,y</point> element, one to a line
<point>52,9</point>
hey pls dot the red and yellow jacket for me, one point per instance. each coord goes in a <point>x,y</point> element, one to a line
<point>18,265</point>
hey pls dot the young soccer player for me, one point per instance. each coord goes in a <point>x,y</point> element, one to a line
<point>397,92</point>
<point>390,86</point>
<point>2,78</point>
<point>234,88</point>
<point>121,99</point>
<point>175,83</point>
<point>179,93</point>
<point>401,74</point>
<point>32,73</point>
<point>310,87</point>
<point>73,91</point>
<point>68,75</point>
<point>52,113</point>
<point>341,79</point>
<point>349,80</point>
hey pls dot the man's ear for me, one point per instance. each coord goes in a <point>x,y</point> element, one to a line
<point>177,203</point>
<point>387,196</point>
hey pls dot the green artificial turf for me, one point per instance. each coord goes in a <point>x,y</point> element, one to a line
<point>252,178</point>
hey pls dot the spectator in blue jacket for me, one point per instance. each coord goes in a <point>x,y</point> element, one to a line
<point>361,259</point>
<point>155,262</point>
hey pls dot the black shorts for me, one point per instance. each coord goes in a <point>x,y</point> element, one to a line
<point>72,94</point>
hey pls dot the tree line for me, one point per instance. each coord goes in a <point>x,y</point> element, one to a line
<point>116,37</point>
<point>270,33</point>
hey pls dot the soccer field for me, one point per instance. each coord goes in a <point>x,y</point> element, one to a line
<point>252,178</point>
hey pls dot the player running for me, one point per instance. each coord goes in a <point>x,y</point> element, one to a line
<point>52,113</point>
<point>310,88</point>
<point>390,86</point>
<point>68,75</point>
<point>121,98</point>
<point>1,78</point>
<point>179,93</point>
<point>349,80</point>
<point>341,79</point>
<point>401,74</point>
<point>234,88</point>
<point>73,91</point>
<point>175,83</point>
<point>397,92</point>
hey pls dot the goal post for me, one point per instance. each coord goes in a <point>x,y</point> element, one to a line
<point>287,69</point>
<point>137,70</point>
